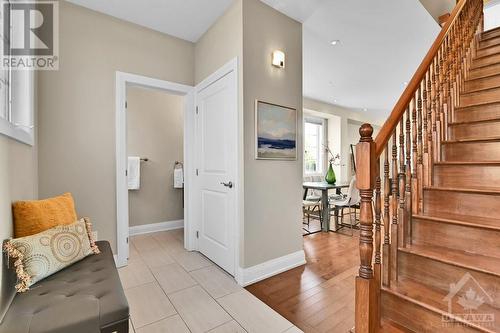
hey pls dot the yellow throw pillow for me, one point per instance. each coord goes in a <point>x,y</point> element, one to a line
<point>32,217</point>
<point>41,255</point>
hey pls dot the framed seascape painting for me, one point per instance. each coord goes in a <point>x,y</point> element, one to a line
<point>275,132</point>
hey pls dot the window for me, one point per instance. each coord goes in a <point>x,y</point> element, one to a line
<point>16,93</point>
<point>313,146</point>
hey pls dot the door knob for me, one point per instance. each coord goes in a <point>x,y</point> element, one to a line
<point>228,184</point>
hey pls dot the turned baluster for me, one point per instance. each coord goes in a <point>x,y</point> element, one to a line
<point>408,173</point>
<point>386,219</point>
<point>441,100</point>
<point>402,186</point>
<point>426,113</point>
<point>394,210</point>
<point>430,125</point>
<point>366,308</point>
<point>433,77</point>
<point>414,155</point>
<point>436,129</point>
<point>454,88</point>
<point>377,266</point>
<point>419,151</point>
<point>447,105</point>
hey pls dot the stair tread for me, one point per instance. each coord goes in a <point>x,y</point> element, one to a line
<point>490,120</point>
<point>468,163</point>
<point>495,29</point>
<point>483,139</point>
<point>485,55</point>
<point>434,299</point>
<point>475,65</point>
<point>479,90</point>
<point>486,65</point>
<point>473,221</point>
<point>463,108</point>
<point>477,190</point>
<point>470,261</point>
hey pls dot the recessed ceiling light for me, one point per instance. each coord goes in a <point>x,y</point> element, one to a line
<point>405,83</point>
<point>335,42</point>
<point>365,109</point>
<point>334,101</point>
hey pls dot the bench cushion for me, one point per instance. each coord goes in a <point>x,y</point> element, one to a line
<point>82,298</point>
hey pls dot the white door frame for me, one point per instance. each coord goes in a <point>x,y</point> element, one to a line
<point>122,218</point>
<point>231,66</point>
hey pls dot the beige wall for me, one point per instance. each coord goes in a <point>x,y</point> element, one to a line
<point>272,193</point>
<point>273,189</point>
<point>18,181</point>
<point>77,105</point>
<point>155,127</point>
<point>349,132</point>
<point>221,43</point>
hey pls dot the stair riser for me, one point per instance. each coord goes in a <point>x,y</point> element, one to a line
<point>480,97</point>
<point>470,239</point>
<point>490,34</point>
<point>484,112</point>
<point>440,275</point>
<point>484,71</point>
<point>415,317</point>
<point>470,204</point>
<point>489,42</point>
<point>485,83</point>
<point>472,151</point>
<point>475,130</point>
<point>488,51</point>
<point>486,60</point>
<point>467,176</point>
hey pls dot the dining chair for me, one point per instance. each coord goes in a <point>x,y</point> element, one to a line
<point>311,208</point>
<point>350,201</point>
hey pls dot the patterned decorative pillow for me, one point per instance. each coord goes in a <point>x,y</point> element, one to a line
<point>39,256</point>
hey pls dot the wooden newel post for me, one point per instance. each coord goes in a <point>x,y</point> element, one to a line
<point>366,302</point>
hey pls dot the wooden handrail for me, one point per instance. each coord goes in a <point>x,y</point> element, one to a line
<point>399,109</point>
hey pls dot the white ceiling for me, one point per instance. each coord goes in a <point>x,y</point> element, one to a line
<point>382,44</point>
<point>382,41</point>
<point>186,19</point>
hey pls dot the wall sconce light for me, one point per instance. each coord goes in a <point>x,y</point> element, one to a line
<point>279,59</point>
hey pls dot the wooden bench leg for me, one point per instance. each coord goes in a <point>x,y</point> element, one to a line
<point>118,327</point>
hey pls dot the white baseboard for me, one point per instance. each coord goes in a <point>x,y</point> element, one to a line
<point>270,268</point>
<point>155,227</point>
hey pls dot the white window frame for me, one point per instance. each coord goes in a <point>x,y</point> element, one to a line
<point>18,120</point>
<point>321,142</point>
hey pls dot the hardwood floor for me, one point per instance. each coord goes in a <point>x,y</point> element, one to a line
<point>317,297</point>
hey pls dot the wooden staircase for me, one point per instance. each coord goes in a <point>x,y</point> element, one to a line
<point>430,252</point>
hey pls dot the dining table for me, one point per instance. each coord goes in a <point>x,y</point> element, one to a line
<point>324,187</point>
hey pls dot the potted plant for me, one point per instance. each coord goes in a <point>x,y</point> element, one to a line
<point>334,159</point>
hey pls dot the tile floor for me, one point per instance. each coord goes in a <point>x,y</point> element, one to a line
<point>172,290</point>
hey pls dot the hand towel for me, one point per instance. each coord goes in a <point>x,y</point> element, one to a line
<point>178,178</point>
<point>134,172</point>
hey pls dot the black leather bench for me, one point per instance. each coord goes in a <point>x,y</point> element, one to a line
<point>86,297</point>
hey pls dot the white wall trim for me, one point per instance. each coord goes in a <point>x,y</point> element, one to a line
<point>155,227</point>
<point>122,218</point>
<point>270,268</point>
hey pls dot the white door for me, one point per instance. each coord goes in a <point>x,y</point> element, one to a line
<point>216,139</point>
